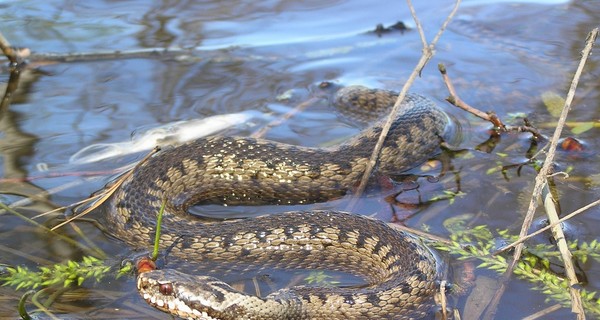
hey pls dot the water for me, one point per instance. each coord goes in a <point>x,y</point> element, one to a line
<point>246,56</point>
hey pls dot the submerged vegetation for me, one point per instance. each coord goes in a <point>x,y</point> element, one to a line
<point>67,273</point>
<point>536,265</point>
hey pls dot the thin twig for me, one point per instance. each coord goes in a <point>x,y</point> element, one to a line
<point>563,248</point>
<point>455,100</point>
<point>490,116</point>
<point>11,87</point>
<point>427,54</point>
<point>166,53</point>
<point>418,24</point>
<point>546,228</point>
<point>543,313</point>
<point>8,51</point>
<point>540,179</point>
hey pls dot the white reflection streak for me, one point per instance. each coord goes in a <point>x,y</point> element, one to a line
<point>169,134</point>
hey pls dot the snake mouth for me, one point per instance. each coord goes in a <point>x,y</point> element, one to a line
<point>184,295</point>
<point>154,293</point>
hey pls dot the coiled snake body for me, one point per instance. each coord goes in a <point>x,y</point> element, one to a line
<point>401,272</point>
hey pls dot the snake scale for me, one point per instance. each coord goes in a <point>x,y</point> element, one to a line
<point>400,271</point>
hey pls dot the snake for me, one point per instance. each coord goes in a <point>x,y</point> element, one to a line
<point>401,273</point>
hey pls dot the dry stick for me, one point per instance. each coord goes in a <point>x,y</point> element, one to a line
<point>8,51</point>
<point>548,201</point>
<point>543,313</point>
<point>11,87</point>
<point>17,56</point>
<point>14,56</point>
<point>173,53</point>
<point>456,101</point>
<point>563,248</point>
<point>427,54</point>
<point>420,27</point>
<point>540,179</point>
<point>66,186</point>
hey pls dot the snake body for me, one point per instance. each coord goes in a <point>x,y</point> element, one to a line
<point>401,272</point>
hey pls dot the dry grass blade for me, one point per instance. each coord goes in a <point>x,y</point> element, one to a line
<point>108,192</point>
<point>43,214</point>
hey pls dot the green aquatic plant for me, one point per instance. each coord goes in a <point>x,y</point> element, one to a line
<point>449,195</point>
<point>67,273</point>
<point>62,275</point>
<point>478,243</point>
<point>319,277</point>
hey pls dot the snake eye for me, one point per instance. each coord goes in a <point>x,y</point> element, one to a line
<point>166,289</point>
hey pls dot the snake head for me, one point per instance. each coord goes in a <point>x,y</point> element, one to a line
<point>191,296</point>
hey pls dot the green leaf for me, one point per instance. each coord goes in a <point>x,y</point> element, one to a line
<point>492,170</point>
<point>582,127</point>
<point>554,103</point>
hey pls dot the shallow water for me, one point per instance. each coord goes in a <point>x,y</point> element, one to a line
<point>502,56</point>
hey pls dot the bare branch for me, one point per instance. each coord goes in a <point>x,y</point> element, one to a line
<point>427,54</point>
<point>540,179</point>
<point>8,51</point>
<point>490,116</point>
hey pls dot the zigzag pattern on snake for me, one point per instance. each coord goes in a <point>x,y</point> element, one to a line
<point>401,272</point>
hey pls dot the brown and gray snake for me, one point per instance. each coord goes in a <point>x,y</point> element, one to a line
<point>401,273</point>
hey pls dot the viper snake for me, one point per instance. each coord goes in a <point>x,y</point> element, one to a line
<point>401,273</point>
